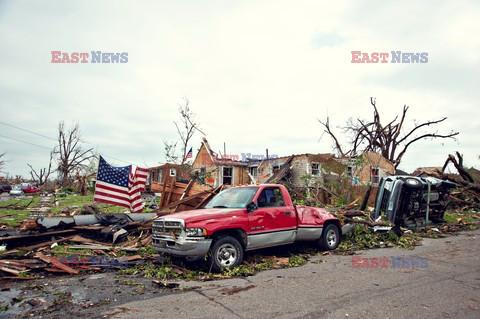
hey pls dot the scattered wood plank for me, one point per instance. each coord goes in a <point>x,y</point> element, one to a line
<point>12,266</point>
<point>51,233</point>
<point>147,241</point>
<point>83,240</point>
<point>45,244</point>
<point>56,263</point>
<point>11,270</point>
<point>185,192</point>
<point>163,193</point>
<point>187,199</point>
<point>93,247</point>
<point>135,257</point>
<point>172,185</point>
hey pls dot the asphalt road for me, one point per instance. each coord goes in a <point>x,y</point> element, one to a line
<point>448,288</point>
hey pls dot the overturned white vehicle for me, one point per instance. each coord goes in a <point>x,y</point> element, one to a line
<point>412,201</point>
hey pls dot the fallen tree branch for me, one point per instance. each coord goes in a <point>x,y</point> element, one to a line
<point>15,206</point>
<point>366,222</point>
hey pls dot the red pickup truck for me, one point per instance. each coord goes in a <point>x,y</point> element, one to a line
<point>243,218</point>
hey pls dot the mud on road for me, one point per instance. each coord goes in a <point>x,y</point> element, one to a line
<point>83,296</point>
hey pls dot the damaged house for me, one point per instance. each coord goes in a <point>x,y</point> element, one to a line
<point>369,167</point>
<point>168,171</point>
<point>294,168</point>
<point>319,172</point>
<point>215,170</point>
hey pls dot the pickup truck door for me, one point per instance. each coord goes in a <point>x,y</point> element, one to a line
<point>272,223</point>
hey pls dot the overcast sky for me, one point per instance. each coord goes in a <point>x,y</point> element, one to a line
<point>257,73</point>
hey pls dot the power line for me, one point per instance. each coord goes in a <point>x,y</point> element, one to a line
<point>14,139</point>
<point>22,129</point>
<point>115,159</point>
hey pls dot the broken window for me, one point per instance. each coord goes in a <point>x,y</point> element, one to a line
<point>173,172</point>
<point>227,175</point>
<point>275,168</point>
<point>315,169</point>
<point>375,175</point>
<point>253,170</point>
<point>349,171</point>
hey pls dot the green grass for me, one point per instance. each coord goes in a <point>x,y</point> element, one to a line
<point>13,217</point>
<point>71,200</point>
<point>20,202</point>
<point>451,217</point>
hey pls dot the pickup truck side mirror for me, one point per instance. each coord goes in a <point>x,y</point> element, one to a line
<point>251,207</point>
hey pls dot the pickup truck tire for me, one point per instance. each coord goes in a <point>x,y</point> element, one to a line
<point>225,252</point>
<point>412,183</point>
<point>330,237</point>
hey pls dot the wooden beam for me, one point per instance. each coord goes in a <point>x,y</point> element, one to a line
<point>185,192</point>
<point>163,192</point>
<point>56,263</point>
<point>186,199</point>
<point>206,199</point>
<point>58,232</point>
<point>172,185</point>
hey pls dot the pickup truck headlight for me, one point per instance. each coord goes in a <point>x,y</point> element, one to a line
<point>195,232</point>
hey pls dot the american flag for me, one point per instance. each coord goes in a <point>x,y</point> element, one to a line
<point>121,186</point>
<point>189,154</point>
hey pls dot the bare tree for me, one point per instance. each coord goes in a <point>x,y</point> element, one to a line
<point>170,149</point>
<point>390,139</point>
<point>70,152</point>
<point>187,127</point>
<point>42,176</point>
<point>2,161</point>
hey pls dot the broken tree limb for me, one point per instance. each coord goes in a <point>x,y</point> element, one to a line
<point>352,204</point>
<point>365,222</point>
<point>15,206</point>
<point>459,166</point>
<point>366,197</point>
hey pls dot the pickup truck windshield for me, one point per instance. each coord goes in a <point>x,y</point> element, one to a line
<point>237,197</point>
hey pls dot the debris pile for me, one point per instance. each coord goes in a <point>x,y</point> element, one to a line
<point>83,237</point>
<point>467,194</point>
<point>90,238</point>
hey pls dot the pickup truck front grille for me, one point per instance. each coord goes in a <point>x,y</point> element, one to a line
<point>166,228</point>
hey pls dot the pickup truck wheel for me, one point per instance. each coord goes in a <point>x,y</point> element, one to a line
<point>412,183</point>
<point>330,237</point>
<point>226,252</point>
